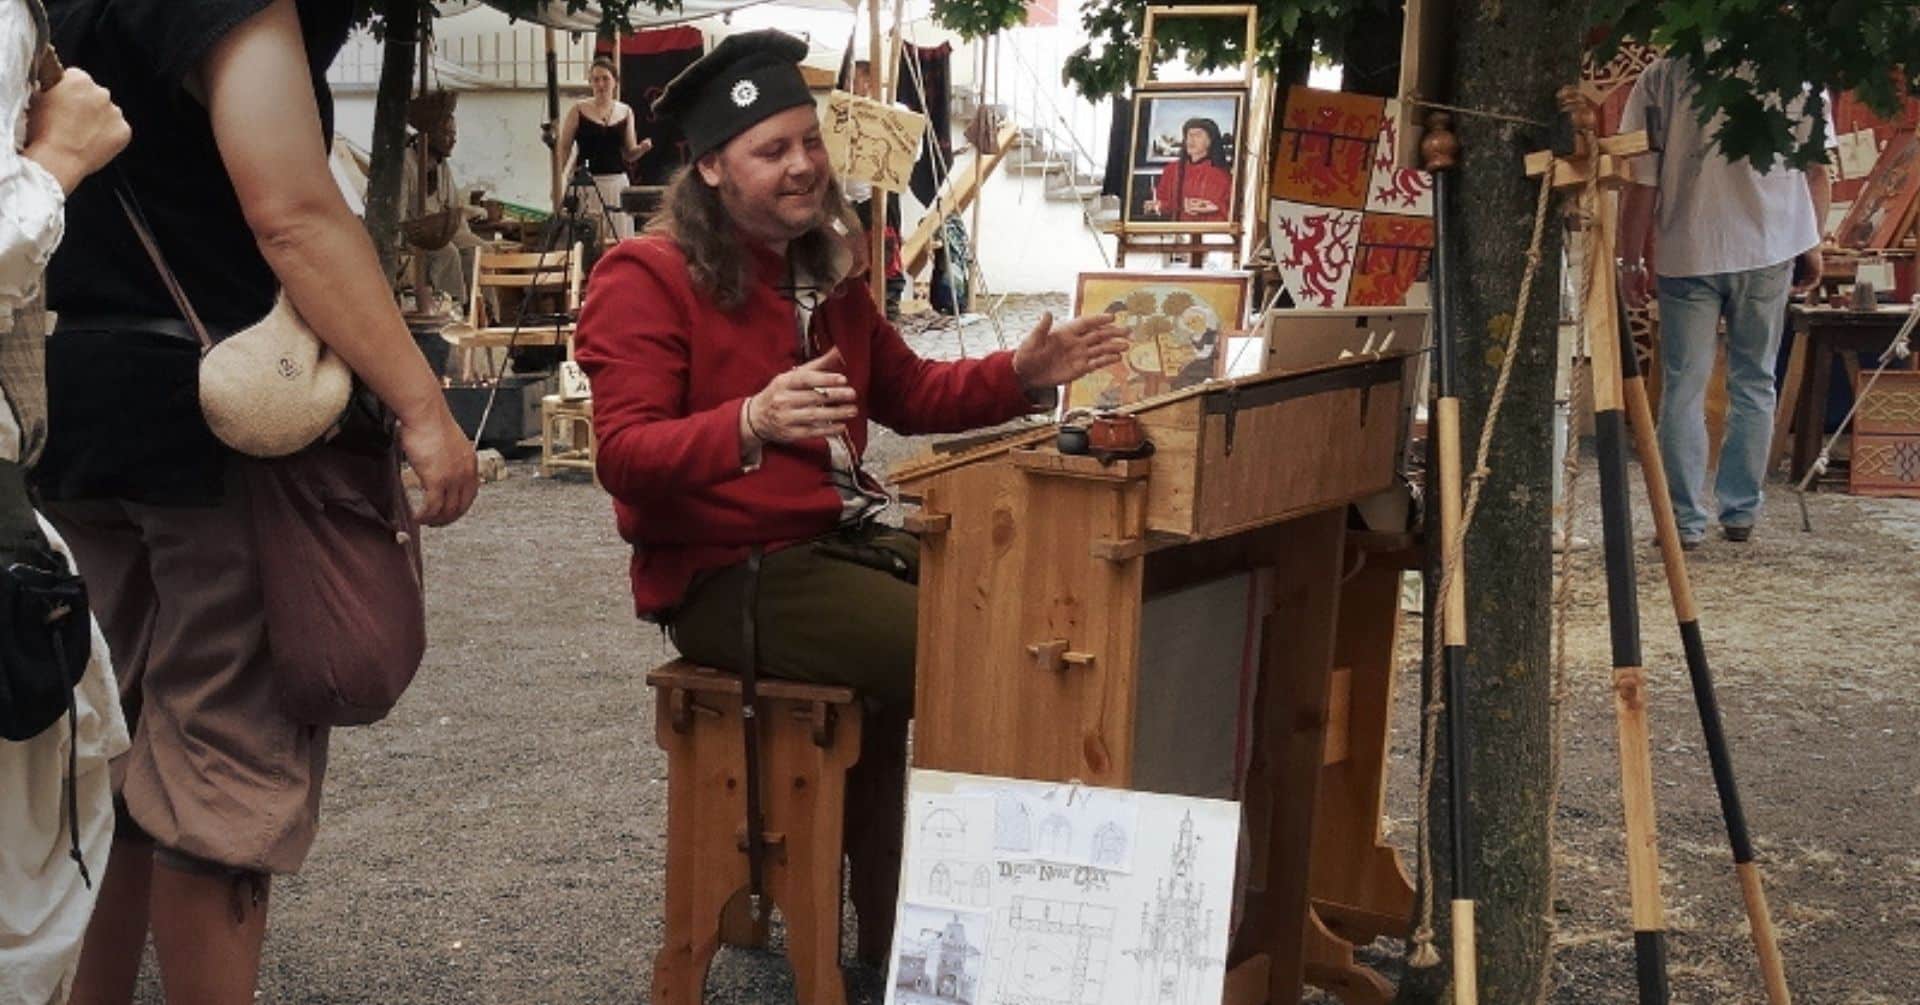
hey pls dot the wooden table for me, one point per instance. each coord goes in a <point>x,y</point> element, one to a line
<point>1175,624</point>
<point>1820,333</point>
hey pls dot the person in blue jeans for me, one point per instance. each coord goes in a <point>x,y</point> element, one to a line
<point>1727,237</point>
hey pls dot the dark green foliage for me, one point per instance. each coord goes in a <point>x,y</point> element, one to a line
<point>1106,66</point>
<point>975,19</point>
<point>1747,55</point>
<point>1750,56</point>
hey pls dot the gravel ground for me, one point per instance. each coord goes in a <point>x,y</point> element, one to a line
<point>500,838</point>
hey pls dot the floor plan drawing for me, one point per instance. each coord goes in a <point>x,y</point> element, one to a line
<point>1052,952</point>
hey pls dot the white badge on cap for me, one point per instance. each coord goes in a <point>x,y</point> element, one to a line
<point>745,93</point>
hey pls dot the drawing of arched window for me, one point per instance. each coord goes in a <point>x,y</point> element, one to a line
<point>940,882</point>
<point>982,881</point>
<point>1012,826</point>
<point>943,831</point>
<point>1109,845</point>
<point>1056,835</point>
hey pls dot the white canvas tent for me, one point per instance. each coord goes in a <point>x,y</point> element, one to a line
<point>555,13</point>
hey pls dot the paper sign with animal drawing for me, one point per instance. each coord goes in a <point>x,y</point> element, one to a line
<point>871,142</point>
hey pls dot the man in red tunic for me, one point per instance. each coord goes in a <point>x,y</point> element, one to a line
<point>1198,186</point>
<point>734,366</point>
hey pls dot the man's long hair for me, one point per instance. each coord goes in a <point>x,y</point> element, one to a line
<point>692,215</point>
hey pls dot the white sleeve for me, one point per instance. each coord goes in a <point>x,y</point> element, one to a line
<point>32,204</point>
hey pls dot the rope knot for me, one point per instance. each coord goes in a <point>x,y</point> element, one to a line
<point>1424,956</point>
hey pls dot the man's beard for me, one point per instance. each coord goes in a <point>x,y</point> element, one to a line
<point>787,224</point>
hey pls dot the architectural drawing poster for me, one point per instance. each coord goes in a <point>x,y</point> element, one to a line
<point>1040,893</point>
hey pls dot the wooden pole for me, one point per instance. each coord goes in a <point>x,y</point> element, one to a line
<point>1601,311</point>
<point>1766,942</point>
<point>553,114</point>
<point>877,227</point>
<point>987,128</point>
<point>1441,152</point>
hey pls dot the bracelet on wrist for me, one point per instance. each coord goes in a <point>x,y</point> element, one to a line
<point>752,427</point>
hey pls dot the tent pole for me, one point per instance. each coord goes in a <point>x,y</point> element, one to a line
<point>877,229</point>
<point>553,114</point>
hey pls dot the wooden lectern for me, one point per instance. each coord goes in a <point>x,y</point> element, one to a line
<point>1172,624</point>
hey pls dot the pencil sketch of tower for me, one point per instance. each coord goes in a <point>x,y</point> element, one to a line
<point>1173,957</point>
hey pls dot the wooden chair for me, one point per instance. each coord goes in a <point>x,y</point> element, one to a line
<point>566,435</point>
<point>546,283</point>
<point>810,736</point>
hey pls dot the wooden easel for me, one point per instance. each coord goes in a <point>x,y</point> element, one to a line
<point>1195,240</point>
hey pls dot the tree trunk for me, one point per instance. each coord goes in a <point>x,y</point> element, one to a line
<point>1506,57</point>
<point>390,129</point>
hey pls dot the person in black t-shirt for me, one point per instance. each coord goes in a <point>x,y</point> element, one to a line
<point>220,789</point>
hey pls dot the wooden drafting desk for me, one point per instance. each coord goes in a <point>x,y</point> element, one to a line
<point>1169,623</point>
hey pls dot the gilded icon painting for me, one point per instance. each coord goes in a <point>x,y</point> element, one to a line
<point>1177,322</point>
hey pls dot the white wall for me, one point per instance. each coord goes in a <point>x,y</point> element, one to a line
<point>1028,244</point>
<point>499,149</point>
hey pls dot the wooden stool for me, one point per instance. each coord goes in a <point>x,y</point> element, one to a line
<point>810,736</point>
<point>566,435</point>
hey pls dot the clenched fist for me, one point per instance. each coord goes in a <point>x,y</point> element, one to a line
<point>74,128</point>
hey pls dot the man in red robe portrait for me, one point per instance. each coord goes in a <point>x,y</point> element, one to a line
<point>1197,187</point>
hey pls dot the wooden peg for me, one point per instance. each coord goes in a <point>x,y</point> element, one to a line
<point>1439,149</point>
<point>1048,655</point>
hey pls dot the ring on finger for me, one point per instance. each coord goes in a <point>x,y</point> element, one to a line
<point>822,392</point>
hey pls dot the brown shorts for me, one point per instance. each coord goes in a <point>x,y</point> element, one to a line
<point>216,772</point>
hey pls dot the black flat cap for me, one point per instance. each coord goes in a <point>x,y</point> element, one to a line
<point>746,78</point>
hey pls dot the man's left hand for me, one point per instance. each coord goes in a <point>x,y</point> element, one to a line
<point>1053,354</point>
<point>1809,272</point>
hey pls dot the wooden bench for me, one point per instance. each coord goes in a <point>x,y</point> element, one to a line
<point>810,736</point>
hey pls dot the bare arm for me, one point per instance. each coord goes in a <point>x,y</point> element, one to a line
<point>267,126</point>
<point>1636,220</point>
<point>633,148</point>
<point>1820,187</point>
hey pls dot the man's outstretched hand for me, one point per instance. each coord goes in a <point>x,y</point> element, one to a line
<point>1052,354</point>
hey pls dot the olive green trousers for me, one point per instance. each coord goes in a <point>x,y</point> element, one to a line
<point>839,609</point>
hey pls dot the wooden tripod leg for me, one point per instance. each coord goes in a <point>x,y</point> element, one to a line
<point>1623,614</point>
<point>1766,942</point>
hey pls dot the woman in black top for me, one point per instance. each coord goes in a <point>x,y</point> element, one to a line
<point>602,128</point>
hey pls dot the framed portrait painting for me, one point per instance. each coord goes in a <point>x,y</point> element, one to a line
<point>1184,174</point>
<point>1177,324</point>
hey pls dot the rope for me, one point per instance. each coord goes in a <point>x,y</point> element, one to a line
<point>1563,586</point>
<point>1419,102</point>
<point>1424,954</point>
